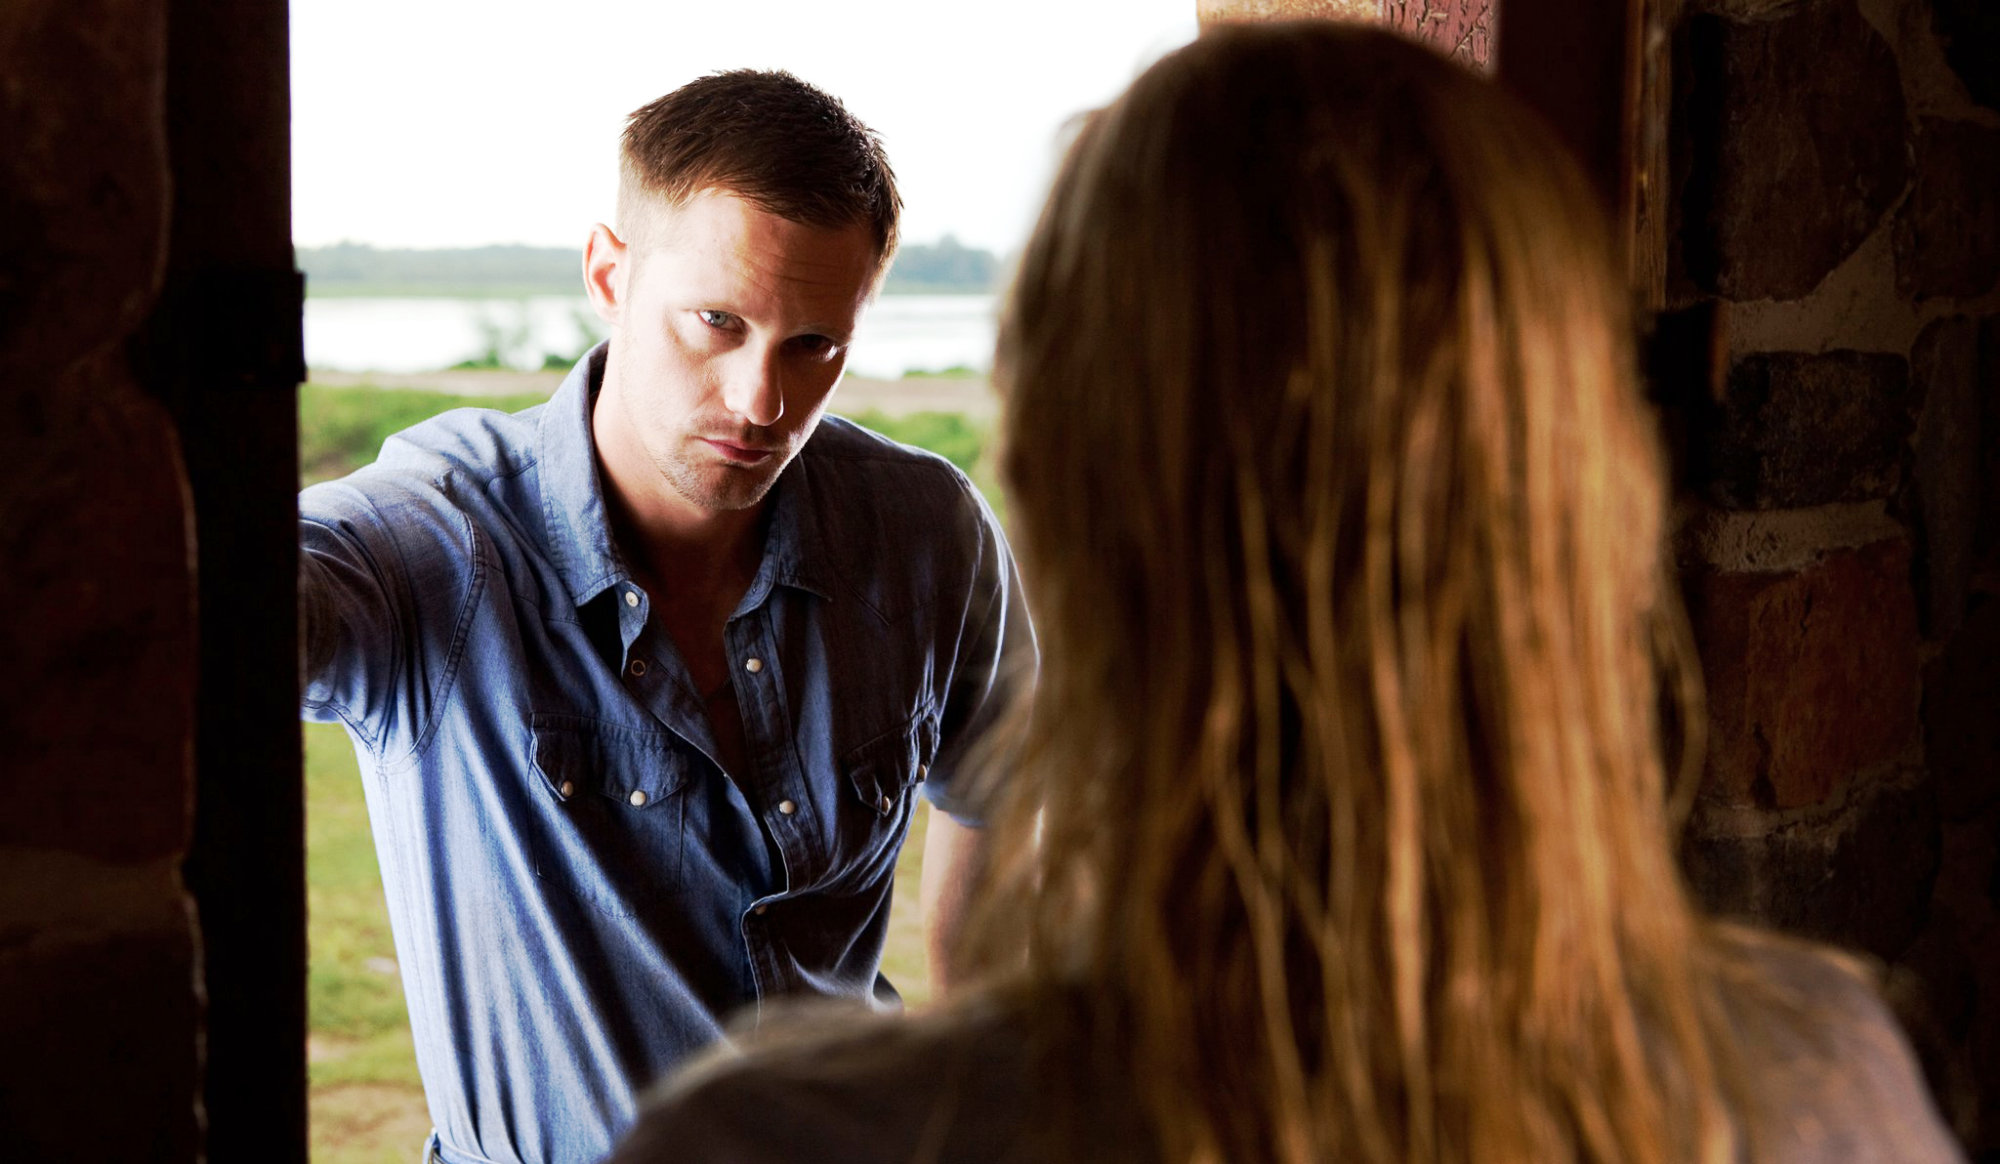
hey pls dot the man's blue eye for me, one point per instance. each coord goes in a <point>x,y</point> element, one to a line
<point>716,319</point>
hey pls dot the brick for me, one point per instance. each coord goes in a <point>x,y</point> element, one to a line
<point>1961,729</point>
<point>1945,372</point>
<point>1218,10</point>
<point>1461,29</point>
<point>1946,986</point>
<point>102,1049</point>
<point>1947,233</point>
<point>1933,989</point>
<point>1970,32</point>
<point>1858,876</point>
<point>1983,938</point>
<point>1986,539</point>
<point>1812,676</point>
<point>1796,430</point>
<point>1788,139</point>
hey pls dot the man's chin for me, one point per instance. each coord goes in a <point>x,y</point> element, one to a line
<point>724,489</point>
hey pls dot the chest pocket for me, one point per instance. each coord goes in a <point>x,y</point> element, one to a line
<point>612,832</point>
<point>882,776</point>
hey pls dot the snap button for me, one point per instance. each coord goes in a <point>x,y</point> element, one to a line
<point>631,598</point>
<point>923,770</point>
<point>638,667</point>
<point>787,808</point>
<point>638,799</point>
<point>568,789</point>
<point>883,803</point>
<point>753,665</point>
<point>759,910</point>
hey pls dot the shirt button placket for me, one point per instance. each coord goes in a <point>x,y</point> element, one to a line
<point>753,710</point>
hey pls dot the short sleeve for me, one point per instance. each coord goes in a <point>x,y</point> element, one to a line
<point>997,659</point>
<point>387,578</point>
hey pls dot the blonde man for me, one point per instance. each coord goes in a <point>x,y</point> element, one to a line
<point>645,682</point>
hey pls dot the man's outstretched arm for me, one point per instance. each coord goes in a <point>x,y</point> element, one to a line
<point>387,578</point>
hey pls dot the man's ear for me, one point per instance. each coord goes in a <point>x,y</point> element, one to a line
<point>606,269</point>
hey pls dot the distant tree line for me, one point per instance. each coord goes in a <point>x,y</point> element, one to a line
<point>358,269</point>
<point>946,267</point>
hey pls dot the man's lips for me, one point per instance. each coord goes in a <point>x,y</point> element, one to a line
<point>738,454</point>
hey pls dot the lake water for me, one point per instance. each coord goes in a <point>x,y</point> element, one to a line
<point>899,333</point>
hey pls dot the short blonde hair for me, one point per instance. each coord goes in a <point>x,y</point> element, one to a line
<point>786,146</point>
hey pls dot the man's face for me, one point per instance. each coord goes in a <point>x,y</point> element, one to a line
<point>727,340</point>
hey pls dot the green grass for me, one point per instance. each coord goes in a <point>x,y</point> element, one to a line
<point>353,995</point>
<point>955,372</point>
<point>951,435</point>
<point>367,1103</point>
<point>499,292</point>
<point>954,436</point>
<point>342,429</point>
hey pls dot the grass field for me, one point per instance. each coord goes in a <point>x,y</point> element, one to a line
<point>342,427</point>
<point>366,1100</point>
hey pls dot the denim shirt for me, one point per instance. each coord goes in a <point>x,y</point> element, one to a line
<point>580,895</point>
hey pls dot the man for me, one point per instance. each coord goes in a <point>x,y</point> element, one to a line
<point>644,681</point>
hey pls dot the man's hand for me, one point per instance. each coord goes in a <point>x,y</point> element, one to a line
<point>952,853</point>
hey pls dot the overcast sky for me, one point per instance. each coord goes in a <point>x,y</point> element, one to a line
<point>453,123</point>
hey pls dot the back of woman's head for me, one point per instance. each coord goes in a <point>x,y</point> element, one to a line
<point>1341,801</point>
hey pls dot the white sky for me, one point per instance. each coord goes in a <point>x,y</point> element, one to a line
<point>454,123</point>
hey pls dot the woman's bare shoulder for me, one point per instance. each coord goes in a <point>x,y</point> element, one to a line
<point>1827,1066</point>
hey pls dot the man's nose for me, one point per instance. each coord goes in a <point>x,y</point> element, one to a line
<point>756,390</point>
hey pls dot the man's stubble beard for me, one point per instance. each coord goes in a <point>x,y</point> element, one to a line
<point>715,487</point>
<point>718,487</point>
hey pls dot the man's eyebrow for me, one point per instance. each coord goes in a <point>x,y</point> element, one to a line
<point>840,338</point>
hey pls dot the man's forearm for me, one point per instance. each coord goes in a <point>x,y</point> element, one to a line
<point>952,853</point>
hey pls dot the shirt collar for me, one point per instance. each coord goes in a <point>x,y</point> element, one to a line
<point>579,525</point>
<point>793,552</point>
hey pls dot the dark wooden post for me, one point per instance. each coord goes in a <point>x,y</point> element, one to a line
<point>224,350</point>
<point>1579,66</point>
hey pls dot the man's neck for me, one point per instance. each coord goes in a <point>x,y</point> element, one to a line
<point>669,541</point>
<point>719,554</point>
<point>666,538</point>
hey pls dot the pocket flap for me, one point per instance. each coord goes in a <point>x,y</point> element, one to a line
<point>884,767</point>
<point>574,755</point>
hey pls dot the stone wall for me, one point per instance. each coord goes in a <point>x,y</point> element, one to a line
<point>1836,169</point>
<point>1461,29</point>
<point>99,1003</point>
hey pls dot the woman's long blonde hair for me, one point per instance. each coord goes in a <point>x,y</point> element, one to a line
<point>1339,824</point>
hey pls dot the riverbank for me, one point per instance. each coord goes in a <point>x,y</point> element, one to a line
<point>970,394</point>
